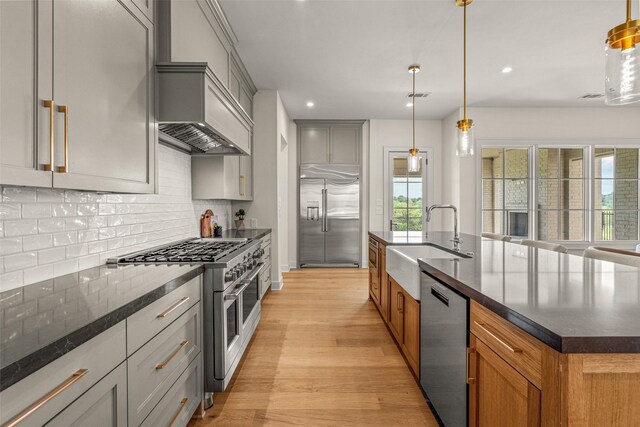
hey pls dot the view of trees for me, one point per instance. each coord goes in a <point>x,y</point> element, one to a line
<point>407,213</point>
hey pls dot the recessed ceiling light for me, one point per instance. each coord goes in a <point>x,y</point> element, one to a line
<point>409,104</point>
<point>310,104</point>
<point>507,70</point>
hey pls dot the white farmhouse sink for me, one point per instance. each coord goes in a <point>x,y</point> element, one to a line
<point>402,265</point>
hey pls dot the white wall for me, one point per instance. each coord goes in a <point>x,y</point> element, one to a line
<point>399,133</point>
<point>271,177</point>
<point>49,232</point>
<point>510,124</point>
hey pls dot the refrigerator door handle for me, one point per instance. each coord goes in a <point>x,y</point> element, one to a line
<point>324,210</point>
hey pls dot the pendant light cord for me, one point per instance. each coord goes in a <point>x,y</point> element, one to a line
<point>414,109</point>
<point>465,59</point>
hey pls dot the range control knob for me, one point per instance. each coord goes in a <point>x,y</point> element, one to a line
<point>256,254</point>
<point>229,276</point>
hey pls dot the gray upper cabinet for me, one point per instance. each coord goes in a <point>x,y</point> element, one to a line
<point>221,177</point>
<point>24,120</point>
<point>103,75</point>
<point>87,97</point>
<point>314,144</point>
<point>335,143</point>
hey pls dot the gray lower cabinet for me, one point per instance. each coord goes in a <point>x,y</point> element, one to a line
<point>103,405</point>
<point>154,368</point>
<point>177,406</point>
<point>77,370</point>
<point>98,131</point>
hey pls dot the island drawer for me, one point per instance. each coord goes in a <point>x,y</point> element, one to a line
<point>515,346</point>
<point>42,395</point>
<point>154,368</point>
<point>178,405</point>
<point>148,322</point>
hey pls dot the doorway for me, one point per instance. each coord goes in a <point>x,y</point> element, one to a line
<point>406,195</point>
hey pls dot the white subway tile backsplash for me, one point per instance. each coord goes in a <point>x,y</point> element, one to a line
<point>65,238</point>
<point>10,245</point>
<point>20,261</point>
<point>63,209</point>
<point>88,228</point>
<point>48,256</point>
<point>39,241</point>
<point>20,227</point>
<point>50,225</point>
<point>18,194</point>
<point>49,195</point>
<point>9,211</point>
<point>36,210</point>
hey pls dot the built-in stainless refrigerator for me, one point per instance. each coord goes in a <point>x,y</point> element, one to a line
<point>329,223</point>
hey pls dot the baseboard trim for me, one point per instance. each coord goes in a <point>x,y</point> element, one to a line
<point>276,286</point>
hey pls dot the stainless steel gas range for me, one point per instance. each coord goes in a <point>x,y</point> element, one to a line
<point>231,297</point>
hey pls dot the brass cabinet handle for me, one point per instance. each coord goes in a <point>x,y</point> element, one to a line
<point>183,403</point>
<point>470,351</point>
<point>65,110</point>
<point>164,364</point>
<point>46,398</point>
<point>493,335</point>
<point>242,185</point>
<point>173,307</point>
<point>49,166</point>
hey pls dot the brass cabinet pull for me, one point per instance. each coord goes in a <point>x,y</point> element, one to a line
<point>493,335</point>
<point>183,403</point>
<point>242,185</point>
<point>49,166</point>
<point>65,110</point>
<point>46,398</point>
<point>470,351</point>
<point>173,307</point>
<point>163,365</point>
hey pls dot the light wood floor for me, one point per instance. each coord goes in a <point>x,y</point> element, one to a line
<point>321,356</point>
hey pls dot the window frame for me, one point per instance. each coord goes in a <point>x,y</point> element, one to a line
<point>589,146</point>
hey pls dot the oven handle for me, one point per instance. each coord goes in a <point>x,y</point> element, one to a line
<point>235,294</point>
<point>255,274</point>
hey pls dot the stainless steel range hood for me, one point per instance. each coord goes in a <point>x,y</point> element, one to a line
<point>197,112</point>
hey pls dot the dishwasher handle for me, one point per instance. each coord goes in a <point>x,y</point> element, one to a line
<point>443,299</point>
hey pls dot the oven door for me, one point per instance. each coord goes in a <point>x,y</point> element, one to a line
<point>251,302</point>
<point>228,329</point>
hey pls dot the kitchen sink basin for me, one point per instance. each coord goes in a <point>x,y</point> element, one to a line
<point>402,264</point>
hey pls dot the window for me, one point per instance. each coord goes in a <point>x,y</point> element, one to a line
<point>505,191</point>
<point>406,204</point>
<point>560,183</point>
<point>615,194</point>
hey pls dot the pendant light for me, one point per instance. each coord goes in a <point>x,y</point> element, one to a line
<point>622,80</point>
<point>465,134</point>
<point>413,161</point>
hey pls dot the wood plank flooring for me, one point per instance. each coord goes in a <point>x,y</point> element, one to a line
<point>321,356</point>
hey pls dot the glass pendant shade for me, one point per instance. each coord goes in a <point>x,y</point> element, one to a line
<point>466,141</point>
<point>622,81</point>
<point>413,163</point>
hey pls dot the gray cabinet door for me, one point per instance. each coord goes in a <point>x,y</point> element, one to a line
<point>314,144</point>
<point>103,405</point>
<point>103,75</point>
<point>25,57</point>
<point>345,145</point>
<point>232,182</point>
<point>246,178</point>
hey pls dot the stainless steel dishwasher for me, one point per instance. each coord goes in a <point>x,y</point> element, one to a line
<point>443,345</point>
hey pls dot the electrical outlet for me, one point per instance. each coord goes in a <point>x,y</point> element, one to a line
<point>254,222</point>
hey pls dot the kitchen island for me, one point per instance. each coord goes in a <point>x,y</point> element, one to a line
<point>554,339</point>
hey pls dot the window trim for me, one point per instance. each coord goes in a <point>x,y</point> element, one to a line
<point>588,145</point>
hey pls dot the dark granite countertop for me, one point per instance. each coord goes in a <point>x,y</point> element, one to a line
<point>572,304</point>
<point>43,321</point>
<point>247,233</point>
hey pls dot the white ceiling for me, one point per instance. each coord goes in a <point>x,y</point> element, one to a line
<point>350,56</point>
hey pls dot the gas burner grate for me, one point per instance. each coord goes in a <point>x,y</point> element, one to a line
<point>191,251</point>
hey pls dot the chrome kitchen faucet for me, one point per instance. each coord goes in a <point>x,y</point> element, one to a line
<point>456,237</point>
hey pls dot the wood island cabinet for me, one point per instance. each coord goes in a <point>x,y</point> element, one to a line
<point>398,309</point>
